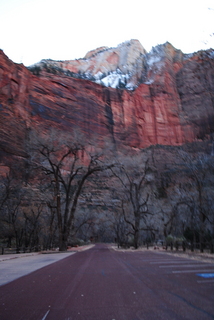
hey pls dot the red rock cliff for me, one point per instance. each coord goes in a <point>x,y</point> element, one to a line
<point>173,101</point>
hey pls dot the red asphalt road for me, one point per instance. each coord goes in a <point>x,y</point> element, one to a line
<point>103,284</point>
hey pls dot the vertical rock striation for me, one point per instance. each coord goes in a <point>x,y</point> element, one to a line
<point>161,97</point>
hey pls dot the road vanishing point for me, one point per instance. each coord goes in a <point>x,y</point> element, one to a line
<point>106,284</point>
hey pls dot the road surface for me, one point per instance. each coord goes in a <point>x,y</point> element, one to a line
<point>24,264</point>
<point>104,284</point>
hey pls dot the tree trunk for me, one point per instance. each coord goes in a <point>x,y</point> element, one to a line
<point>63,241</point>
<point>136,239</point>
<point>136,230</point>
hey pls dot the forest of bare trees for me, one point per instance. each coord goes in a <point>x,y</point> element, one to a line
<point>66,192</point>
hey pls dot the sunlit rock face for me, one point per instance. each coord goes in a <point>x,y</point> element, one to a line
<point>161,97</point>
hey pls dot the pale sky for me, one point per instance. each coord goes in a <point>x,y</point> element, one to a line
<point>32,30</point>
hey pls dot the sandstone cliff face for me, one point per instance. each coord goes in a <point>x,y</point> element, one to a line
<point>173,100</point>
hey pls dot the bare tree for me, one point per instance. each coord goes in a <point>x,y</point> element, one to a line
<point>49,226</point>
<point>5,190</point>
<point>199,171</point>
<point>134,175</point>
<point>10,209</point>
<point>67,164</point>
<point>121,228</point>
<point>82,224</point>
<point>33,226</point>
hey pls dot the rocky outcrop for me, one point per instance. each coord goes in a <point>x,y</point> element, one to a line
<point>111,67</point>
<point>171,101</point>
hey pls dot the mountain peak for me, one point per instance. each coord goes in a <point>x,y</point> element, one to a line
<point>125,66</point>
<point>134,43</point>
<point>130,45</point>
<point>120,66</point>
<point>93,52</point>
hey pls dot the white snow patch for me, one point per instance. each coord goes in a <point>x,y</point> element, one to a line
<point>87,75</point>
<point>155,63</point>
<point>98,75</point>
<point>150,81</point>
<point>113,80</point>
<point>153,59</point>
<point>130,86</point>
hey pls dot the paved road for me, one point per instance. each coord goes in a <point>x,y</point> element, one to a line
<point>103,284</point>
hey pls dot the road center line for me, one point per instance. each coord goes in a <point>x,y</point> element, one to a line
<point>188,266</point>
<point>205,281</point>
<point>189,271</point>
<point>171,261</point>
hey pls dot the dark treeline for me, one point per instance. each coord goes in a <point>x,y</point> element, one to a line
<point>66,192</point>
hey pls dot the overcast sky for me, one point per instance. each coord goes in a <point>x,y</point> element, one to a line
<point>32,30</point>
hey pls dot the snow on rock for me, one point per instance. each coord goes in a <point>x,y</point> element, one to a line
<point>98,75</point>
<point>115,79</point>
<point>125,66</point>
<point>153,59</point>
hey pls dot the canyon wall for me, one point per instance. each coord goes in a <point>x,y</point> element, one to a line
<point>170,102</point>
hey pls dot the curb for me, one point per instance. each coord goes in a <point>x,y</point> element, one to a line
<point>22,255</point>
<point>17,255</point>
